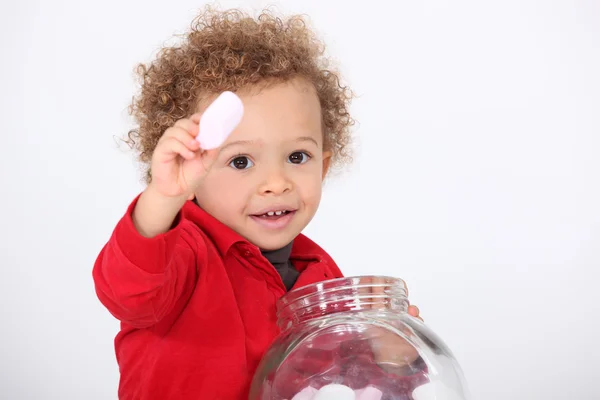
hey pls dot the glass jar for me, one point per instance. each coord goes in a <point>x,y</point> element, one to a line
<point>353,339</point>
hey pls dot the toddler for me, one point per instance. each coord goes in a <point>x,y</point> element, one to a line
<point>195,266</point>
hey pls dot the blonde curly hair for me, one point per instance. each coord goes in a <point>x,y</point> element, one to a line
<point>229,50</point>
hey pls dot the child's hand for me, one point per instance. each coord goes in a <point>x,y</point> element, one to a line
<point>414,311</point>
<point>178,164</point>
<point>392,352</point>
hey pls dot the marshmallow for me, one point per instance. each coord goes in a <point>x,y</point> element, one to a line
<point>335,392</point>
<point>305,394</point>
<point>369,393</point>
<point>219,119</point>
<point>435,391</point>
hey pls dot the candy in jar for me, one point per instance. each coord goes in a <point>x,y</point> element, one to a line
<point>353,339</point>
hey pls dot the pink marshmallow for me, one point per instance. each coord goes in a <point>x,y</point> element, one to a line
<point>305,394</point>
<point>335,392</point>
<point>435,391</point>
<point>369,393</point>
<point>219,119</point>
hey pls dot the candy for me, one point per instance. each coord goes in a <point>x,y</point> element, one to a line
<point>305,394</point>
<point>434,391</point>
<point>335,392</point>
<point>369,393</point>
<point>219,119</point>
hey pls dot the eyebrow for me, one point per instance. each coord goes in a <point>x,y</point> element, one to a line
<point>250,142</point>
<point>237,143</point>
<point>307,139</point>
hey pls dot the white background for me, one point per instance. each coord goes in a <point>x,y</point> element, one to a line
<point>476,179</point>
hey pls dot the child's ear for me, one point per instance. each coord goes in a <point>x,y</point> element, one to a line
<point>191,197</point>
<point>326,163</point>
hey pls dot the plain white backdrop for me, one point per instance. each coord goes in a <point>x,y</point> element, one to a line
<point>476,179</point>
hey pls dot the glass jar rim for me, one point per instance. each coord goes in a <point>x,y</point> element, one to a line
<point>362,289</point>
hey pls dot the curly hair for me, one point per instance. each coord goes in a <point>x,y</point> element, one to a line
<point>230,50</point>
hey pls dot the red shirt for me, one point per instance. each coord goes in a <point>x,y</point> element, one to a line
<point>196,305</point>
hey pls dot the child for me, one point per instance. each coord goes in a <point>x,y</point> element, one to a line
<point>195,266</point>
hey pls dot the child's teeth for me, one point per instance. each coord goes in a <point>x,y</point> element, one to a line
<point>278,213</point>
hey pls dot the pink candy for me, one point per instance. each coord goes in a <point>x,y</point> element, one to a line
<point>305,394</point>
<point>219,119</point>
<point>435,391</point>
<point>338,392</point>
<point>335,392</point>
<point>369,393</point>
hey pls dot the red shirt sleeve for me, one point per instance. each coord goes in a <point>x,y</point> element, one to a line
<point>141,280</point>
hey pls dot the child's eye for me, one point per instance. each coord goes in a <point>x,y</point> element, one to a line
<point>241,162</point>
<point>299,157</point>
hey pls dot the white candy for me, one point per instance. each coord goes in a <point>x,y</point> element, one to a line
<point>435,391</point>
<point>369,393</point>
<point>219,119</point>
<point>335,392</point>
<point>305,394</point>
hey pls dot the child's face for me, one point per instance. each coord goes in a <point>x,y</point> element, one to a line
<point>273,161</point>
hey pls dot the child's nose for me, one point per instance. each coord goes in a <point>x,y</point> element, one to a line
<point>275,182</point>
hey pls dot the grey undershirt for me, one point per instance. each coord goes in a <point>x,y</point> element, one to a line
<point>281,261</point>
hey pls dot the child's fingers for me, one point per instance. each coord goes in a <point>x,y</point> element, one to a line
<point>171,146</point>
<point>183,135</point>
<point>413,310</point>
<point>188,125</point>
<point>195,118</point>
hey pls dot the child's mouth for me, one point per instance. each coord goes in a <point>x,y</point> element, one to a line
<point>274,219</point>
<point>273,214</point>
